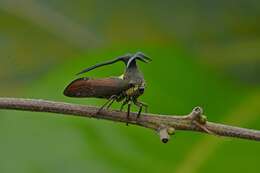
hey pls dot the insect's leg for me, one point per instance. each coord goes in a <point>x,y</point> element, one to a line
<point>104,105</point>
<point>112,101</point>
<point>123,104</point>
<point>140,105</point>
<point>128,111</point>
<point>145,106</point>
<point>139,112</point>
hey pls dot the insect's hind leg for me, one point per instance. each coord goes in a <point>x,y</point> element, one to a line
<point>110,100</point>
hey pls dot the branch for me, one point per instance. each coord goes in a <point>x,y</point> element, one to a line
<point>164,125</point>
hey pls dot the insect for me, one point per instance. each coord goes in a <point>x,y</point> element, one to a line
<point>125,88</point>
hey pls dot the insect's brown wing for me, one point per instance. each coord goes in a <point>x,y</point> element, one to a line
<point>99,88</point>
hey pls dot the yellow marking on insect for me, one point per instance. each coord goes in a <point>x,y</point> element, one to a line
<point>132,91</point>
<point>121,77</point>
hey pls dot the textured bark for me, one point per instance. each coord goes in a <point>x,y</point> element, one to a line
<point>162,124</point>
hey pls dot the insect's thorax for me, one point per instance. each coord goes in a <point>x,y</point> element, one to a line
<point>133,75</point>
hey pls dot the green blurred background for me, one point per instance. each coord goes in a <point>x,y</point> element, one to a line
<point>204,53</point>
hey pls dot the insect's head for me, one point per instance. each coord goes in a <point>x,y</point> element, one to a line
<point>128,59</point>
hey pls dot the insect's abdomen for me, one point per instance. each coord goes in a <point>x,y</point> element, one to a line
<point>99,88</point>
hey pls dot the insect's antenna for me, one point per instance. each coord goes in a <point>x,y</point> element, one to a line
<point>124,58</point>
<point>140,56</point>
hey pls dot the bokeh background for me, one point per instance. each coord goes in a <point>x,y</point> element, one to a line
<point>204,53</point>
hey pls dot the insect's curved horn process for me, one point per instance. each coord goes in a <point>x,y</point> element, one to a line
<point>124,58</point>
<point>140,56</point>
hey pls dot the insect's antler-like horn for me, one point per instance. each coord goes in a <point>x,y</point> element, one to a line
<point>124,58</point>
<point>140,56</point>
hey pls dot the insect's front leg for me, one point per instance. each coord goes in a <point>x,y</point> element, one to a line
<point>145,105</point>
<point>140,105</point>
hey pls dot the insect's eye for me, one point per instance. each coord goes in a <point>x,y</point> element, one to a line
<point>141,89</point>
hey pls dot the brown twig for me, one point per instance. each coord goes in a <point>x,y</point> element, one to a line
<point>164,125</point>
